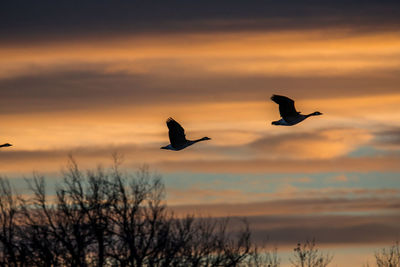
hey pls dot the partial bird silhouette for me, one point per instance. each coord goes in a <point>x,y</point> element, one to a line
<point>177,137</point>
<point>290,116</point>
<point>5,145</point>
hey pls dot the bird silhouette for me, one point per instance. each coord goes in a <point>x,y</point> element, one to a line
<point>177,137</point>
<point>290,116</point>
<point>5,145</point>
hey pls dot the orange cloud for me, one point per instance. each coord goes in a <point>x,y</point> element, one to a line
<point>314,203</point>
<point>293,53</point>
<point>342,164</point>
<point>339,178</point>
<point>320,144</point>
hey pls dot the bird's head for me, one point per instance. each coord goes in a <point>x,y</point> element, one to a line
<point>164,147</point>
<point>316,113</point>
<point>206,138</point>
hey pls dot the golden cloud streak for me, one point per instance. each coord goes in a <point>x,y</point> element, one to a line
<point>290,53</point>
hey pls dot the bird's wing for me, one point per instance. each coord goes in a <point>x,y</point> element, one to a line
<point>286,106</point>
<point>176,132</point>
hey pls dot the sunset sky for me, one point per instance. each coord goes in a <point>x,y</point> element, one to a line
<point>90,78</point>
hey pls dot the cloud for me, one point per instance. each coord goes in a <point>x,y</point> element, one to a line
<point>341,164</point>
<point>84,82</point>
<point>232,150</point>
<point>52,159</point>
<point>319,144</point>
<point>329,220</point>
<point>335,229</point>
<point>335,219</point>
<point>339,178</point>
<point>188,67</point>
<point>205,158</point>
<point>208,68</point>
<point>283,198</point>
<point>388,139</point>
<point>45,20</point>
<point>288,230</point>
<point>281,54</point>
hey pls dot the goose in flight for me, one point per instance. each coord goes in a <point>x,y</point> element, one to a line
<point>290,116</point>
<point>5,145</point>
<point>177,137</point>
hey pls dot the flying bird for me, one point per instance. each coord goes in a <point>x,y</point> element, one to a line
<point>177,137</point>
<point>5,145</point>
<point>290,116</point>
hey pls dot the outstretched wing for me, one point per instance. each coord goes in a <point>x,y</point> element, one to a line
<point>176,132</point>
<point>286,106</point>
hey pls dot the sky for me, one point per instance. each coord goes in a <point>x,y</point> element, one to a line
<point>92,78</point>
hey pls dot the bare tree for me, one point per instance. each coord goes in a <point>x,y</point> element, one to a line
<point>11,252</point>
<point>388,257</point>
<point>138,216</point>
<point>307,255</point>
<point>263,257</point>
<point>109,218</point>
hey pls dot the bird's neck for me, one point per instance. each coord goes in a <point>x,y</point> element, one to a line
<point>311,114</point>
<point>198,140</point>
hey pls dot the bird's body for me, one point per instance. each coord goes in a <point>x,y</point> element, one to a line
<point>5,145</point>
<point>177,137</point>
<point>290,116</point>
<point>290,120</point>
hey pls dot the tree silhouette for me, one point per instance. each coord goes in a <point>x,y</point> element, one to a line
<point>10,251</point>
<point>389,257</point>
<point>107,217</point>
<point>264,257</point>
<point>307,255</point>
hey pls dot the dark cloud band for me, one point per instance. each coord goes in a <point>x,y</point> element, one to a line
<point>83,89</point>
<point>67,19</point>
